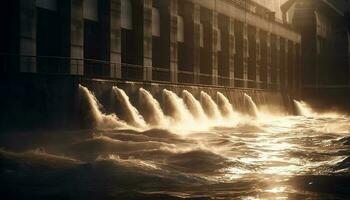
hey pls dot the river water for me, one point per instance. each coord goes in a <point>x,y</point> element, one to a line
<point>195,150</point>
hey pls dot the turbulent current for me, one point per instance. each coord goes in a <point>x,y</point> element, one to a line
<point>187,147</point>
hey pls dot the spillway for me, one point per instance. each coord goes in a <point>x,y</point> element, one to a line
<point>251,106</point>
<point>152,111</point>
<point>131,114</point>
<point>210,107</point>
<point>92,106</point>
<point>302,108</point>
<point>225,106</point>
<point>177,108</point>
<point>194,106</point>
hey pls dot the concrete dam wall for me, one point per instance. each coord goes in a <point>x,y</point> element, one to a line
<point>56,102</point>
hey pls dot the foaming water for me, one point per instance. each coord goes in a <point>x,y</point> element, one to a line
<point>152,111</point>
<point>305,110</point>
<point>210,107</point>
<point>194,106</point>
<point>279,157</point>
<point>100,119</point>
<point>253,109</point>
<point>177,108</point>
<point>132,115</point>
<point>225,106</point>
<point>302,108</point>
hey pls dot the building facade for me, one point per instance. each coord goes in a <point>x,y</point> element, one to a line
<point>325,41</point>
<point>232,43</point>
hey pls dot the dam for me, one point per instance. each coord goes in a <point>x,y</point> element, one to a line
<point>174,99</point>
<point>229,44</point>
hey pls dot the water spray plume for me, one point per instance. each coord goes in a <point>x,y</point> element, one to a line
<point>152,111</point>
<point>252,108</point>
<point>210,107</point>
<point>101,120</point>
<point>194,106</point>
<point>177,108</point>
<point>303,109</point>
<point>132,115</point>
<point>225,106</point>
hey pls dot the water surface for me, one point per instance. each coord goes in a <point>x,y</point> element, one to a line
<point>268,156</point>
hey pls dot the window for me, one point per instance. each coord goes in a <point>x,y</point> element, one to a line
<point>201,35</point>
<point>318,45</point>
<point>126,14</point>
<point>218,46</point>
<point>155,22</point>
<point>180,29</point>
<point>47,4</point>
<point>91,10</point>
<point>246,47</point>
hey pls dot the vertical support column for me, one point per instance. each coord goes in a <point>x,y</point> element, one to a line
<point>115,38</point>
<point>245,54</point>
<point>196,48</point>
<point>286,64</point>
<point>77,37</point>
<point>293,82</point>
<point>215,41</point>
<point>232,51</point>
<point>258,58</point>
<point>268,54</point>
<point>173,41</point>
<point>27,36</point>
<point>299,70</point>
<point>278,61</point>
<point>147,40</point>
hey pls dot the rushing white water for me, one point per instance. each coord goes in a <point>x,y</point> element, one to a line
<point>302,108</point>
<point>253,109</point>
<point>177,108</point>
<point>225,106</point>
<point>210,107</point>
<point>268,157</point>
<point>103,121</point>
<point>132,115</point>
<point>153,113</point>
<point>194,106</point>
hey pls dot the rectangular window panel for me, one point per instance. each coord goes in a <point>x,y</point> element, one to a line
<point>219,40</point>
<point>180,29</point>
<point>155,22</point>
<point>126,14</point>
<point>47,4</point>
<point>91,10</point>
<point>201,35</point>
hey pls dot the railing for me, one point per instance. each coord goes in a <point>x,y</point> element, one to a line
<point>92,68</point>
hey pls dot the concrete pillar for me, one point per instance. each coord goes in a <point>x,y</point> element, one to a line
<point>232,51</point>
<point>77,37</point>
<point>115,38</point>
<point>147,39</point>
<point>27,36</point>
<point>293,82</point>
<point>196,48</point>
<point>278,61</point>
<point>258,59</point>
<point>298,66</point>
<point>269,56</point>
<point>286,64</point>
<point>173,41</point>
<point>215,41</point>
<point>245,54</point>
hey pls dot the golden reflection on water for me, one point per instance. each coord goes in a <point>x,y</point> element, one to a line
<point>273,145</point>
